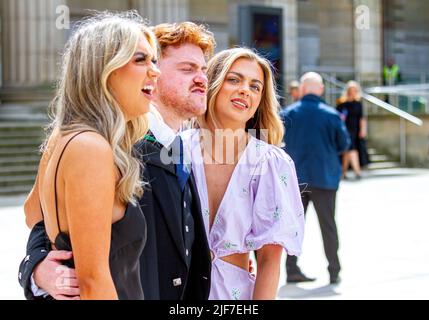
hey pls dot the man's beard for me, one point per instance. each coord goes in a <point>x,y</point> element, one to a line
<point>183,106</point>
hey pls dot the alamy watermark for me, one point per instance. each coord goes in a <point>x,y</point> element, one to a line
<point>63,19</point>
<point>362,17</point>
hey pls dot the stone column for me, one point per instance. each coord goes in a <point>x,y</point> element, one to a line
<point>368,43</point>
<point>336,37</point>
<point>290,32</point>
<point>31,43</point>
<point>163,11</point>
<point>233,15</point>
<point>290,38</point>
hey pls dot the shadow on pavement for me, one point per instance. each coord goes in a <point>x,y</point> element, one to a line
<point>292,291</point>
<point>386,173</point>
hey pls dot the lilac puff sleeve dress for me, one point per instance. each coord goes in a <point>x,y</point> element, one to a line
<point>261,205</point>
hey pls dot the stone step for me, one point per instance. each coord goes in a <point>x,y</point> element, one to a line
<point>23,117</point>
<point>6,171</point>
<point>383,165</point>
<point>371,151</point>
<point>22,111</point>
<point>15,190</point>
<point>17,180</point>
<point>33,107</point>
<point>24,126</point>
<point>22,131</point>
<point>379,158</point>
<point>19,161</point>
<point>18,143</point>
<point>16,152</point>
<point>22,134</point>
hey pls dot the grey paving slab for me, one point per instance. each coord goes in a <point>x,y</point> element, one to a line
<point>13,237</point>
<point>383,224</point>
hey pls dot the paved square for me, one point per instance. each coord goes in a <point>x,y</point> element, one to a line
<point>382,221</point>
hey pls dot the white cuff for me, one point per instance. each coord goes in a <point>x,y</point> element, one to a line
<point>37,292</point>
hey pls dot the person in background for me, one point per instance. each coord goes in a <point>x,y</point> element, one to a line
<point>391,73</point>
<point>351,112</point>
<point>294,91</point>
<point>315,136</point>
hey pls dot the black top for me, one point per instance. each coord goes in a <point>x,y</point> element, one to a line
<point>353,113</point>
<point>165,273</point>
<point>127,242</point>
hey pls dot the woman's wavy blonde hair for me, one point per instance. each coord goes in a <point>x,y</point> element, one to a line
<point>351,84</point>
<point>101,44</point>
<point>266,117</point>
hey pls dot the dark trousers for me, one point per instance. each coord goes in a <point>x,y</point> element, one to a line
<point>324,204</point>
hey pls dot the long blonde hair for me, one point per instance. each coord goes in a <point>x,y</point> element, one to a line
<point>102,43</point>
<point>266,117</point>
<point>351,84</point>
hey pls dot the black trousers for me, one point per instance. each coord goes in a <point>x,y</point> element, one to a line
<point>324,204</point>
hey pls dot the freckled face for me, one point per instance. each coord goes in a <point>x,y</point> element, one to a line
<point>133,84</point>
<point>182,86</point>
<point>240,94</point>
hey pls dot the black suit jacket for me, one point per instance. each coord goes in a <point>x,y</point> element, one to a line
<point>37,250</point>
<point>163,258</point>
<point>163,261</point>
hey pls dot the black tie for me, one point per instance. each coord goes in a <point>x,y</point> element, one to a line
<point>182,169</point>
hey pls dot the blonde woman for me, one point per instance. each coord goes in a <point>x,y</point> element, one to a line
<point>247,185</point>
<point>351,111</point>
<point>88,180</point>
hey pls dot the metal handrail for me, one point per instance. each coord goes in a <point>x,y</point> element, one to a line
<point>403,89</point>
<point>376,101</point>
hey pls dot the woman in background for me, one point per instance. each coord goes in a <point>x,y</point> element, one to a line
<point>351,111</point>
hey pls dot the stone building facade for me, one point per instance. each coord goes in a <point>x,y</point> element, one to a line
<point>335,37</point>
<point>349,38</point>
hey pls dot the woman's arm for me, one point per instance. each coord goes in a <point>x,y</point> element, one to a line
<point>268,272</point>
<point>362,128</point>
<point>89,183</point>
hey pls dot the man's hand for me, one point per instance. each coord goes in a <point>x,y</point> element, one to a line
<point>56,279</point>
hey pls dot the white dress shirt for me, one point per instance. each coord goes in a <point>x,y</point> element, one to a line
<point>161,131</point>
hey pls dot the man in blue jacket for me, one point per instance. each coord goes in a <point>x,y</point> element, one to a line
<point>315,136</point>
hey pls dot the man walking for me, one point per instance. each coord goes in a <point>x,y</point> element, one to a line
<point>314,138</point>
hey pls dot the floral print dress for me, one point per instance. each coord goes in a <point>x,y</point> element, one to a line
<point>261,205</point>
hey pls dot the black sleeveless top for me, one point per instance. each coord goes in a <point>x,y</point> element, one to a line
<point>127,242</point>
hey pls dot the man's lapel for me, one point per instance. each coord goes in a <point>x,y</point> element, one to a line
<point>166,186</point>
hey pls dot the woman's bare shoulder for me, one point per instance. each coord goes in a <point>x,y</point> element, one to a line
<point>89,149</point>
<point>89,142</point>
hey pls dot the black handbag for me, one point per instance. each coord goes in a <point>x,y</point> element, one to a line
<point>363,153</point>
